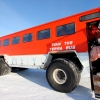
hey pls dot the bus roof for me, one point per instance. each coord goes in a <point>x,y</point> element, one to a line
<point>81,13</point>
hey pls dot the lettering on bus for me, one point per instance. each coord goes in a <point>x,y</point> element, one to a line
<point>56,46</point>
<point>68,45</point>
<point>68,42</point>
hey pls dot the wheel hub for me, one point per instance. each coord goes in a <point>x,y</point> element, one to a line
<point>59,76</point>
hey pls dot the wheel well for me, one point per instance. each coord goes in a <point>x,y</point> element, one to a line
<point>71,56</point>
<point>2,57</point>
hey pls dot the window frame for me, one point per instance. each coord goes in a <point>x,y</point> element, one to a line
<point>44,37</point>
<point>26,36</point>
<point>0,43</point>
<point>15,38</point>
<point>66,33</point>
<point>4,41</point>
<point>83,18</point>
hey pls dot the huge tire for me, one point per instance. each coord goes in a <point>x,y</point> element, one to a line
<point>78,73</point>
<point>4,67</point>
<point>62,75</point>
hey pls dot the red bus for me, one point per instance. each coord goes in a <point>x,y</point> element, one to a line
<point>61,47</point>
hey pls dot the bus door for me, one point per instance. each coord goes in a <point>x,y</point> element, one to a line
<point>92,20</point>
<point>93,32</point>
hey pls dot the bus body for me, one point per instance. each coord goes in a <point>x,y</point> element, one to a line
<point>46,46</point>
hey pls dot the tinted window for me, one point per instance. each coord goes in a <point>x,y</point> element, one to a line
<point>44,34</point>
<point>15,40</point>
<point>66,29</point>
<point>0,43</point>
<point>90,16</point>
<point>27,37</point>
<point>6,42</point>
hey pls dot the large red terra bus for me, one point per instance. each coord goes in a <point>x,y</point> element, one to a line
<point>60,47</point>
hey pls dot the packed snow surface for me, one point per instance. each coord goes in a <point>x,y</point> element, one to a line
<point>31,84</point>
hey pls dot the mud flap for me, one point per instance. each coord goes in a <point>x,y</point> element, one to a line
<point>96,81</point>
<point>4,67</point>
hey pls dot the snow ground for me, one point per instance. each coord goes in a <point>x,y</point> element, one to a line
<point>31,84</point>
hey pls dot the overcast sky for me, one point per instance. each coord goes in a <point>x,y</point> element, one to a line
<point>16,15</point>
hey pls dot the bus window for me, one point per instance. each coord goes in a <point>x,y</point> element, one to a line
<point>15,40</point>
<point>27,37</point>
<point>0,43</point>
<point>90,16</point>
<point>44,34</point>
<point>6,42</point>
<point>66,29</point>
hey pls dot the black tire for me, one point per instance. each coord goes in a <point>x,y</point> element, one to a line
<point>78,74</point>
<point>67,70</point>
<point>4,67</point>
